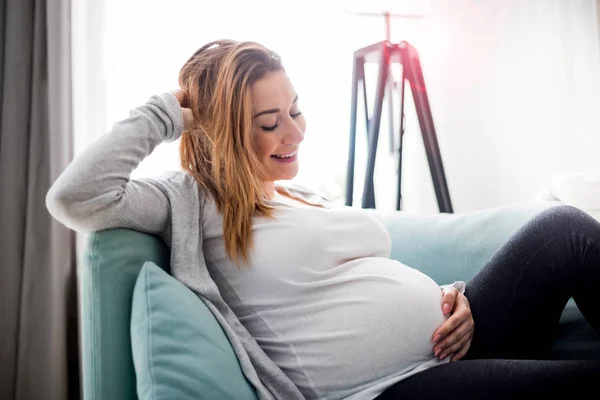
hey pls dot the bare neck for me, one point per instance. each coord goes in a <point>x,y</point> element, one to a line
<point>269,187</point>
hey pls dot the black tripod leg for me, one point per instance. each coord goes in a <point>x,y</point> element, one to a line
<point>369,188</point>
<point>414,74</point>
<point>352,141</point>
<point>400,143</point>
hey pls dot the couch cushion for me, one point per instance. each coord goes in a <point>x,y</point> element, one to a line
<point>179,349</point>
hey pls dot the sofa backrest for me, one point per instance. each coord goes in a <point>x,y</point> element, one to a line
<point>454,246</point>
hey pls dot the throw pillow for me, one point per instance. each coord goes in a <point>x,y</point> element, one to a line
<point>179,349</point>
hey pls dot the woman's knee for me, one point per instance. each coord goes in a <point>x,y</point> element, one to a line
<point>567,217</point>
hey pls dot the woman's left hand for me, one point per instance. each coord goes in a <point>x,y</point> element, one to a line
<point>455,335</point>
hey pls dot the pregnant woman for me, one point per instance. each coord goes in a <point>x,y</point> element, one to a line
<point>305,289</point>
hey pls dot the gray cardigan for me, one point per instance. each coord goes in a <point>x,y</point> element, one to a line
<point>95,192</point>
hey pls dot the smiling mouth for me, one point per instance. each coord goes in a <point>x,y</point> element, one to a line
<point>285,158</point>
<point>286,155</point>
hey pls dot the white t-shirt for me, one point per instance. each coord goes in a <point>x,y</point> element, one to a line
<point>324,300</point>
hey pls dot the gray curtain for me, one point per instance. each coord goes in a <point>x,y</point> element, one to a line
<point>39,349</point>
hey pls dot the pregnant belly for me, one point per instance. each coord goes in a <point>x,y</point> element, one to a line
<point>374,320</point>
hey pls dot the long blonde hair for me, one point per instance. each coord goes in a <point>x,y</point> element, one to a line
<point>219,152</point>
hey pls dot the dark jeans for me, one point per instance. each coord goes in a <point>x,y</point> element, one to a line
<point>517,300</point>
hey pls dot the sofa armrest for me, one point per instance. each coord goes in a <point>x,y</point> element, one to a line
<point>110,266</point>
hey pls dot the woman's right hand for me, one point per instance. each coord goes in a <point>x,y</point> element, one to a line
<point>188,116</point>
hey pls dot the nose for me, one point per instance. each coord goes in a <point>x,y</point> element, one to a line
<point>294,134</point>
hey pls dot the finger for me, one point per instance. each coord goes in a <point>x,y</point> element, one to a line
<point>449,299</point>
<point>454,335</point>
<point>187,113</point>
<point>454,347</point>
<point>188,118</point>
<point>462,352</point>
<point>450,324</point>
<point>457,344</point>
<point>181,96</point>
<point>450,352</point>
<point>453,338</point>
<point>178,93</point>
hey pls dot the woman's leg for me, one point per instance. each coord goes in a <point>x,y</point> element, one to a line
<point>499,379</point>
<point>518,297</point>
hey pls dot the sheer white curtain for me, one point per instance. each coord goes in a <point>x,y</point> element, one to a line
<point>513,85</point>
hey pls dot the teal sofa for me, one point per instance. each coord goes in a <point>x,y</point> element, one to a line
<point>447,247</point>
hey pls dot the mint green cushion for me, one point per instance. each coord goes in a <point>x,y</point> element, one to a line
<point>179,349</point>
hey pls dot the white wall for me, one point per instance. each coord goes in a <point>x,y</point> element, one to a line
<point>514,86</point>
<point>515,92</point>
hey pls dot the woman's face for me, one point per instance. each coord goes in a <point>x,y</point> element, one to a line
<point>279,125</point>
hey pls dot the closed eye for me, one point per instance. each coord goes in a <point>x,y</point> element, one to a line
<point>273,127</point>
<point>270,128</point>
